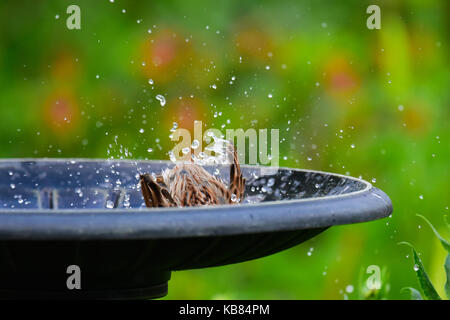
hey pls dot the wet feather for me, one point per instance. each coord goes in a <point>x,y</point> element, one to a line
<point>189,184</point>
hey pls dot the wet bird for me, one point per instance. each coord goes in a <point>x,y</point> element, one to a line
<point>189,184</point>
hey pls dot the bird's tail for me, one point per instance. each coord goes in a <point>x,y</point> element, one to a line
<point>237,182</point>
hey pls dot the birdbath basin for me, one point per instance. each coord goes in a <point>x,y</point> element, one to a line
<point>56,213</point>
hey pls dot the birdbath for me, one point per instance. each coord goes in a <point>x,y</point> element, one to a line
<point>61,214</point>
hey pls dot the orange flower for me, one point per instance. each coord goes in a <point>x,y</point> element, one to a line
<point>164,56</point>
<point>184,112</point>
<point>61,113</point>
<point>341,81</point>
<point>65,67</point>
<point>416,119</point>
<point>251,41</point>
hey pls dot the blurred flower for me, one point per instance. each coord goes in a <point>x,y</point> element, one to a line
<point>341,80</point>
<point>65,68</point>
<point>416,119</point>
<point>61,113</point>
<point>253,42</point>
<point>164,55</point>
<point>184,112</point>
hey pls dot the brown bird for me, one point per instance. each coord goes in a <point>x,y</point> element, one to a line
<point>189,184</point>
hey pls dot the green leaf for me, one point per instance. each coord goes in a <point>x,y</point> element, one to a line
<point>447,271</point>
<point>444,242</point>
<point>415,294</point>
<point>428,289</point>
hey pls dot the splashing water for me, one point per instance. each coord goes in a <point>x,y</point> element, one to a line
<point>195,144</point>
<point>161,99</point>
<point>220,152</point>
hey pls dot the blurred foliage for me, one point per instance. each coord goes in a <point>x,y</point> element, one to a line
<point>368,103</point>
<point>429,291</point>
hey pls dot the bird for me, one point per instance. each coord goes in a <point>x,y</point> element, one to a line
<point>188,184</point>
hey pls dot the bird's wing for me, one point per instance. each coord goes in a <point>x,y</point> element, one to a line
<point>155,193</point>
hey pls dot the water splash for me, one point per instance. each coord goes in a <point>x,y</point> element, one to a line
<point>161,99</point>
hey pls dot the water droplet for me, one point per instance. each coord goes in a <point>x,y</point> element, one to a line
<point>174,127</point>
<point>374,180</point>
<point>162,100</point>
<point>269,96</point>
<point>126,201</point>
<point>109,204</point>
<point>195,144</point>
<point>352,146</point>
<point>97,76</point>
<point>416,267</point>
<point>149,150</point>
<point>401,108</point>
<point>141,130</point>
<point>12,185</point>
<point>421,197</point>
<point>234,198</point>
<point>172,156</point>
<point>150,81</point>
<point>349,288</point>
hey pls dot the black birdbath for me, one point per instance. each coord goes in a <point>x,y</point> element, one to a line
<point>57,213</point>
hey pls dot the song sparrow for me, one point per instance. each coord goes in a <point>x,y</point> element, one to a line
<point>189,184</point>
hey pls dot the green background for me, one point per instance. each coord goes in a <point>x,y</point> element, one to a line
<point>346,99</point>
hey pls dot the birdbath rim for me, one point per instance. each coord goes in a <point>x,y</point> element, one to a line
<point>368,203</point>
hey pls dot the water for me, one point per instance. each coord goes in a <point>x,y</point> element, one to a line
<point>109,204</point>
<point>161,99</point>
<point>89,185</point>
<point>195,144</point>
